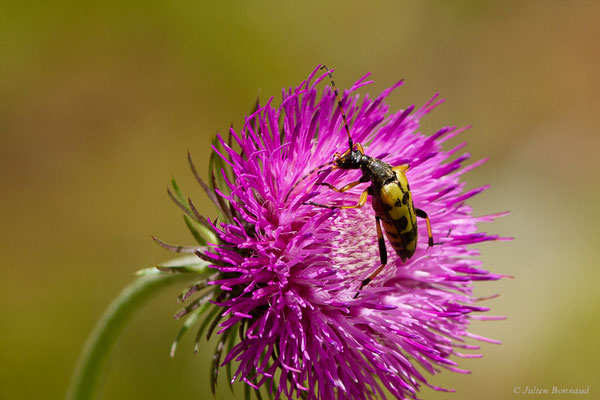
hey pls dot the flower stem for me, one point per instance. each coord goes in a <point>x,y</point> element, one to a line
<point>94,359</point>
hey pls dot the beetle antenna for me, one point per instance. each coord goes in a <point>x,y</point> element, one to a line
<point>312,171</point>
<point>337,96</point>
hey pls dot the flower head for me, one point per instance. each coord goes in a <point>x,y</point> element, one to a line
<point>287,273</point>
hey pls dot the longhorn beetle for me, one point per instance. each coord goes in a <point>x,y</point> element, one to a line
<point>390,197</point>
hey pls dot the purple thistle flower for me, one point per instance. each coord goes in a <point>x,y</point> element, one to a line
<point>282,297</point>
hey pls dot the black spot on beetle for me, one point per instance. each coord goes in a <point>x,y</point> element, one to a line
<point>405,198</point>
<point>401,223</point>
<point>409,236</point>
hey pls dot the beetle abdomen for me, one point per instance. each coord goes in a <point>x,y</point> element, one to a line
<point>397,213</point>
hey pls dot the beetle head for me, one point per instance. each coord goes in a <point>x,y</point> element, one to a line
<point>351,159</point>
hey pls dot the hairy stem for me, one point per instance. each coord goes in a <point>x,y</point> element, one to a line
<point>95,357</point>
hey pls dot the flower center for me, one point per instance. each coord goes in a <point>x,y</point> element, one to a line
<point>355,249</point>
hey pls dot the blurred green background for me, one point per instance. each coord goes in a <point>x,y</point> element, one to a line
<point>99,103</point>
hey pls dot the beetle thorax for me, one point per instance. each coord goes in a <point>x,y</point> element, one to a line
<point>377,171</point>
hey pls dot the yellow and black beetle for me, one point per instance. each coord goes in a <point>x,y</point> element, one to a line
<point>390,197</point>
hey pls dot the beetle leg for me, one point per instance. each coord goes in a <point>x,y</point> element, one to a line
<point>361,201</point>
<point>382,257</point>
<point>342,189</point>
<point>401,168</point>
<point>422,214</point>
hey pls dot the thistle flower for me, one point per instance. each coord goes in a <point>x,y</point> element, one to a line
<point>282,296</point>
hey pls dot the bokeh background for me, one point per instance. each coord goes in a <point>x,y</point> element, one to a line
<point>100,101</point>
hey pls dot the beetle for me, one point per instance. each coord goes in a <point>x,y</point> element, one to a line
<point>391,198</point>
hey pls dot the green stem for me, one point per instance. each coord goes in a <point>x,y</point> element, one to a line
<point>94,359</point>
